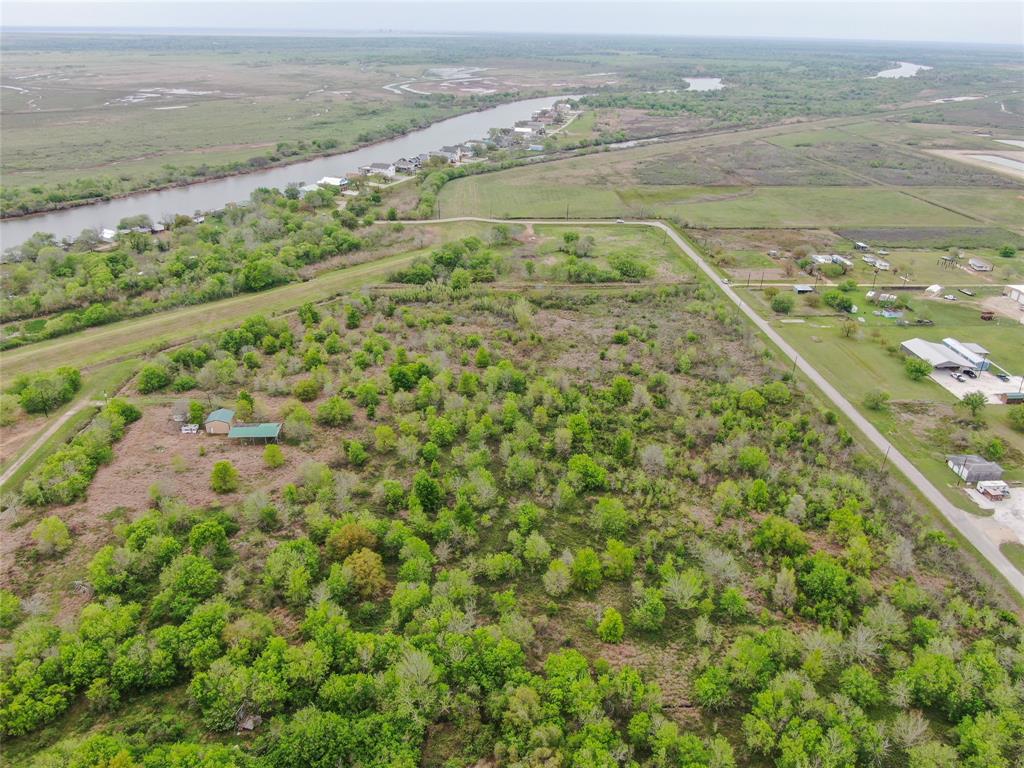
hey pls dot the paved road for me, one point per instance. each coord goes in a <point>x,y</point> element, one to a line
<point>962,521</point>
<point>42,438</point>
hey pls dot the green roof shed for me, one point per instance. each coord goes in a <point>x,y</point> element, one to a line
<point>268,431</point>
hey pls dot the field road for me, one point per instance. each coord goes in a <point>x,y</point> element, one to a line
<point>45,435</point>
<point>961,520</point>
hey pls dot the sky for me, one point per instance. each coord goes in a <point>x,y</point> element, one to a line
<point>950,21</point>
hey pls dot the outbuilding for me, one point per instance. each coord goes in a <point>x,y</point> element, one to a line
<point>939,355</point>
<point>803,288</point>
<point>1015,292</point>
<point>973,469</point>
<point>979,265</point>
<point>219,422</point>
<point>267,432</point>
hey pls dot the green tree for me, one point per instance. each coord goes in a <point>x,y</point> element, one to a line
<point>51,536</point>
<point>367,569</point>
<point>782,303</point>
<point>586,570</point>
<point>974,402</point>
<point>917,368</point>
<point>273,456</point>
<point>876,400</point>
<point>611,627</point>
<point>153,377</point>
<point>1008,251</point>
<point>224,477</point>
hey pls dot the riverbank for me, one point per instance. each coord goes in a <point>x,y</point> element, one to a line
<point>215,175</point>
<point>216,193</point>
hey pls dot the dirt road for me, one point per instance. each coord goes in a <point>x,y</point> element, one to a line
<point>45,435</point>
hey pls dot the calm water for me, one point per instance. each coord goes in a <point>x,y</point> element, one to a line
<point>213,195</point>
<point>704,83</point>
<point>903,69</point>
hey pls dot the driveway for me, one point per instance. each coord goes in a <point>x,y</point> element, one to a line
<point>966,524</point>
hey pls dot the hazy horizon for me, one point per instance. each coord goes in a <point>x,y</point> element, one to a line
<point>996,23</point>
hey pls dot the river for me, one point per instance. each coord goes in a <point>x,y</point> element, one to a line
<point>212,195</point>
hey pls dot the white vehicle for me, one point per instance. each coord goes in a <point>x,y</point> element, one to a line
<point>620,221</point>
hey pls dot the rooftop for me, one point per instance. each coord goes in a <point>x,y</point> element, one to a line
<point>221,414</point>
<point>265,430</point>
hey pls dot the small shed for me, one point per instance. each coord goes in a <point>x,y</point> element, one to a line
<point>219,422</point>
<point>267,432</point>
<point>1012,398</point>
<point>803,288</point>
<point>979,265</point>
<point>973,469</point>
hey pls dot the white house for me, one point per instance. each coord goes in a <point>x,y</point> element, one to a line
<point>379,169</point>
<point>108,234</point>
<point>1015,292</point>
<point>332,181</point>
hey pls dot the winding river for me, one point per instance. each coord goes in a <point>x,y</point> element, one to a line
<point>215,194</point>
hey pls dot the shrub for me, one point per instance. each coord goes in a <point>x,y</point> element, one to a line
<point>51,535</point>
<point>917,368</point>
<point>557,579</point>
<point>10,609</point>
<point>307,389</point>
<point>783,303</point>
<point>153,377</point>
<point>334,411</point>
<point>778,535</point>
<point>224,477</point>
<point>649,612</point>
<point>610,516</point>
<point>586,570</point>
<point>611,628</point>
<point>1017,418</point>
<point>273,456</point>
<point>587,474</point>
<point>876,400</point>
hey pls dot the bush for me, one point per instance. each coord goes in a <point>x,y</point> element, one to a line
<point>1016,417</point>
<point>649,612</point>
<point>783,303</point>
<point>917,368</point>
<point>273,456</point>
<point>51,535</point>
<point>876,400</point>
<point>586,570</point>
<point>334,411</point>
<point>153,378</point>
<point>306,390</point>
<point>611,628</point>
<point>224,477</point>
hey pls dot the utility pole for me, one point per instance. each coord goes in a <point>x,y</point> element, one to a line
<point>566,211</point>
<point>884,458</point>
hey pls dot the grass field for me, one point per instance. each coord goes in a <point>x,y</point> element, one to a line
<point>521,193</point>
<point>1001,206</point>
<point>1014,552</point>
